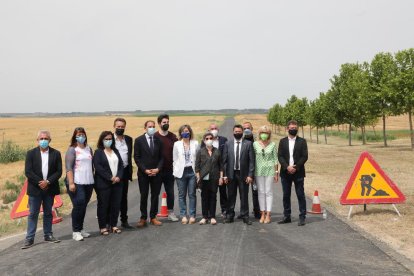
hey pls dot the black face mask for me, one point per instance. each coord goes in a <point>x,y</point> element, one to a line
<point>238,136</point>
<point>165,127</point>
<point>293,132</point>
<point>119,131</point>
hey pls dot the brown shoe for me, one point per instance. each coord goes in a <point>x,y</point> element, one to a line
<point>156,222</point>
<point>142,223</point>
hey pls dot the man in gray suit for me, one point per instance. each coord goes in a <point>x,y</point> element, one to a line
<point>239,162</point>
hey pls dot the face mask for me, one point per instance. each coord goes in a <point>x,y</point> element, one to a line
<point>185,135</point>
<point>238,136</point>
<point>107,143</point>
<point>165,127</point>
<point>264,136</point>
<point>293,132</point>
<point>44,144</point>
<point>208,143</point>
<point>247,132</point>
<point>151,131</point>
<point>81,139</point>
<point>214,132</point>
<point>119,131</point>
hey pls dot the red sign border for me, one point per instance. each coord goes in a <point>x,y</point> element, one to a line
<point>365,155</point>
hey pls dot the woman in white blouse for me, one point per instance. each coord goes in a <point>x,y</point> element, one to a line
<point>184,157</point>
<point>108,172</point>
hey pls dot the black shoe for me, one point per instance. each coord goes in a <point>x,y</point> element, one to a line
<point>247,221</point>
<point>229,220</point>
<point>257,215</point>
<point>51,239</point>
<point>285,220</point>
<point>239,217</point>
<point>126,225</point>
<point>301,222</point>
<point>27,244</point>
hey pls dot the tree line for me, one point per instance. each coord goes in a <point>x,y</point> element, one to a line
<point>360,95</point>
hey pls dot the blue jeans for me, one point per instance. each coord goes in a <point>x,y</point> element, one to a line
<point>80,199</point>
<point>34,205</point>
<point>187,184</point>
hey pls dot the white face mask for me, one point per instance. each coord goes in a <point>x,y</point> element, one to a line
<point>208,143</point>
<point>214,132</point>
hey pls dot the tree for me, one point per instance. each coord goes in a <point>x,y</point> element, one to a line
<point>295,109</point>
<point>275,115</point>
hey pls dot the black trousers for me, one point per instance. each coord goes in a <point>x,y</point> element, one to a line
<point>255,196</point>
<point>223,198</point>
<point>168,179</point>
<point>109,203</point>
<point>234,184</point>
<point>124,200</point>
<point>300,194</point>
<point>146,182</point>
<point>208,200</point>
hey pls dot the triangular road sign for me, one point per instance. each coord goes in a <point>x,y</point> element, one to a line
<point>21,206</point>
<point>369,184</point>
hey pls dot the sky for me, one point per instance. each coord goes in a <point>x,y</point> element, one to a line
<point>97,55</point>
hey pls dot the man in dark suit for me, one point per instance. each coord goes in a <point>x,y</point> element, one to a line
<point>149,159</point>
<point>292,155</point>
<point>218,143</point>
<point>43,168</point>
<point>239,163</point>
<point>123,143</point>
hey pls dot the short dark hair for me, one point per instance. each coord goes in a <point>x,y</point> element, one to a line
<point>237,126</point>
<point>181,130</point>
<point>119,119</point>
<point>207,134</point>
<point>73,142</point>
<point>163,116</point>
<point>292,122</point>
<point>149,121</point>
<point>105,133</point>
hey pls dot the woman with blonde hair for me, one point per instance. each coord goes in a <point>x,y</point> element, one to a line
<point>266,171</point>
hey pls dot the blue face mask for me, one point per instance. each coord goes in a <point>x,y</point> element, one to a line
<point>151,131</point>
<point>247,132</point>
<point>107,143</point>
<point>81,139</point>
<point>185,135</point>
<point>43,143</point>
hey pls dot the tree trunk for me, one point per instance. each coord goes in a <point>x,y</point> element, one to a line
<point>317,135</point>
<point>375,132</point>
<point>349,134</point>
<point>364,139</point>
<point>410,118</point>
<point>384,133</point>
<point>326,139</point>
<point>310,132</point>
<point>303,133</point>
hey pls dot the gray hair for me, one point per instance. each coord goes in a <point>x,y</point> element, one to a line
<point>44,132</point>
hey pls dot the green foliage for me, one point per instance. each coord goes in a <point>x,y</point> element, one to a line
<point>370,135</point>
<point>12,187</point>
<point>10,152</point>
<point>9,196</point>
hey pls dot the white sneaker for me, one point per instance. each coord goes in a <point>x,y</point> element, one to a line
<point>172,216</point>
<point>184,220</point>
<point>213,221</point>
<point>85,234</point>
<point>77,236</point>
<point>203,221</point>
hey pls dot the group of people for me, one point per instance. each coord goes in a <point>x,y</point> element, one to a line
<point>240,163</point>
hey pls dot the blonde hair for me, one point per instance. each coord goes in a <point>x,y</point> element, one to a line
<point>265,129</point>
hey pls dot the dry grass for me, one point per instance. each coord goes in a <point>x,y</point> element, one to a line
<point>23,131</point>
<point>330,166</point>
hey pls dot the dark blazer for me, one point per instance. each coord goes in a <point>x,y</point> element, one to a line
<point>247,159</point>
<point>128,141</point>
<point>103,174</point>
<point>222,141</point>
<point>33,171</point>
<point>206,164</point>
<point>143,156</point>
<point>300,155</point>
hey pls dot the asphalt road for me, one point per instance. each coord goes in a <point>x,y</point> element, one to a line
<point>321,247</point>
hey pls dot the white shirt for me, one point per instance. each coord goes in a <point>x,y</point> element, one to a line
<point>113,162</point>
<point>45,163</point>
<point>83,171</point>
<point>122,148</point>
<point>291,147</point>
<point>148,139</point>
<point>216,143</point>
<point>235,153</point>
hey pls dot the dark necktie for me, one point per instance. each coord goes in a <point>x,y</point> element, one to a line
<point>151,145</point>
<point>237,156</point>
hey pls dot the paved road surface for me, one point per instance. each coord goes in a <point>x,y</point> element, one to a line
<point>322,247</point>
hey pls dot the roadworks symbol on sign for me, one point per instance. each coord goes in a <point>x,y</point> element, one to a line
<point>370,184</point>
<point>21,206</point>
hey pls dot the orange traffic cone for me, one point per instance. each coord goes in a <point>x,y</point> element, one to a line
<point>55,219</point>
<point>164,208</point>
<point>316,205</point>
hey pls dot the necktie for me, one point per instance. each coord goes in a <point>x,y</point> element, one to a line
<point>151,145</point>
<point>238,156</point>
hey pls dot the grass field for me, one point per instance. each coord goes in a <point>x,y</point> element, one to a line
<point>330,166</point>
